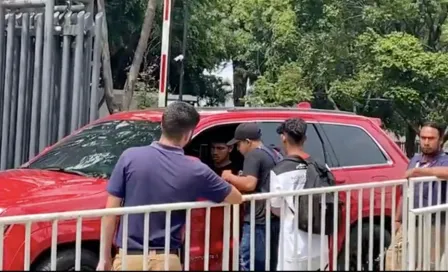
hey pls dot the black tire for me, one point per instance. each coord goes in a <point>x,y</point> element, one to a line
<point>66,261</point>
<point>353,247</point>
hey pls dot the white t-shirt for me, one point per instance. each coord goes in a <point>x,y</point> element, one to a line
<point>294,244</point>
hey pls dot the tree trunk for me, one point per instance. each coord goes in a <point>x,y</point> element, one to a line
<point>107,70</point>
<point>239,83</point>
<point>410,141</point>
<point>129,86</point>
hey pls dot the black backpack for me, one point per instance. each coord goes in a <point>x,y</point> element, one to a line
<point>317,175</point>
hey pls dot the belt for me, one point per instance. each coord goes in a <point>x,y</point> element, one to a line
<point>157,251</point>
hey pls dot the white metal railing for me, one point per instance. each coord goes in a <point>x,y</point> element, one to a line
<point>375,211</point>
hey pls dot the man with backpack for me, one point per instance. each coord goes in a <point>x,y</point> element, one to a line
<point>258,162</point>
<point>298,171</point>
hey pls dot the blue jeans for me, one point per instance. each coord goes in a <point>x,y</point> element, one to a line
<point>260,246</point>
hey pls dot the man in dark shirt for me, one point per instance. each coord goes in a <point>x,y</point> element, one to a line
<point>220,152</point>
<point>258,162</point>
<point>159,174</point>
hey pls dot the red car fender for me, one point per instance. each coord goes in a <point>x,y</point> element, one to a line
<point>41,239</point>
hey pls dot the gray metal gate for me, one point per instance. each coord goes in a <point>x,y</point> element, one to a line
<point>49,73</point>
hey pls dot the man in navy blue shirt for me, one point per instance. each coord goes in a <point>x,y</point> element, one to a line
<point>431,162</point>
<point>158,174</point>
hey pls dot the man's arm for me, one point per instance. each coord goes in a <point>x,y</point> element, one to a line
<point>251,168</point>
<point>215,189</point>
<point>116,190</point>
<point>440,171</point>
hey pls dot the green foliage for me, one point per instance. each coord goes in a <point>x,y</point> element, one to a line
<point>384,58</point>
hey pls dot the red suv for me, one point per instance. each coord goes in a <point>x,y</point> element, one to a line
<point>72,175</point>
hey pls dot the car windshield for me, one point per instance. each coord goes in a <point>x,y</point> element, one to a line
<point>95,150</point>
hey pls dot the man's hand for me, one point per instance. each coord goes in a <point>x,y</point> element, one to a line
<point>411,173</point>
<point>104,265</point>
<point>397,226</point>
<point>227,175</point>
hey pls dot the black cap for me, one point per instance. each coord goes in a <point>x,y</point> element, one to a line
<point>246,131</point>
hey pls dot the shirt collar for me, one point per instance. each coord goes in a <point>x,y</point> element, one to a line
<point>169,148</point>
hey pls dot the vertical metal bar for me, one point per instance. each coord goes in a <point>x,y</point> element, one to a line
<point>24,48</point>
<point>347,230</point>
<point>26,256</point>
<point>187,241</point>
<point>310,227</point>
<point>52,95</point>
<point>438,227</point>
<point>393,227</point>
<point>407,192</point>
<point>207,240</point>
<point>8,90</point>
<point>323,237</point>
<point>102,239</point>
<point>281,256</point>
<point>412,242</point>
<point>236,237</point>
<point>124,242</point>
<point>64,80</point>
<point>77,78</point>
<point>2,59</point>
<point>427,242</point>
<point>46,77</point>
<point>335,230</point>
<point>226,239</point>
<point>96,67</point>
<point>371,198</point>
<point>78,244</point>
<point>359,232</point>
<point>37,78</point>
<point>85,73</point>
<point>14,93</point>
<point>382,227</point>
<point>145,241</point>
<point>268,236</point>
<point>167,239</point>
<point>2,231</point>
<point>88,62</point>
<point>54,245</point>
<point>252,235</point>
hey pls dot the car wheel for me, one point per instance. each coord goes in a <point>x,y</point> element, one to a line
<point>353,247</point>
<point>66,261</point>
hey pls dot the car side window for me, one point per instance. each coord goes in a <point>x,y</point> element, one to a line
<point>353,146</point>
<point>313,144</point>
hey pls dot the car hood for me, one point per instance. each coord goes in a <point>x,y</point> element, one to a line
<point>23,187</point>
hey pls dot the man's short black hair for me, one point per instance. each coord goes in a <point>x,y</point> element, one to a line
<point>294,129</point>
<point>178,119</point>
<point>440,128</point>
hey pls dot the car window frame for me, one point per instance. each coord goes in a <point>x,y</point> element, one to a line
<point>388,162</point>
<point>328,151</point>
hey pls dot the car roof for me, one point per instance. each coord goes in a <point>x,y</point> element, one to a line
<point>155,114</point>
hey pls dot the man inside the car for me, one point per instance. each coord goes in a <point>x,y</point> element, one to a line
<point>157,174</point>
<point>431,162</point>
<point>220,152</point>
<point>258,162</point>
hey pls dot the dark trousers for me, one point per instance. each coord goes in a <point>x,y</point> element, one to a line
<point>260,246</point>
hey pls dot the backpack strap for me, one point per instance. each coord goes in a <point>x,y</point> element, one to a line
<point>275,156</point>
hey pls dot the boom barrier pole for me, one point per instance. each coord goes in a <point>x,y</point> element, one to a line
<point>164,56</point>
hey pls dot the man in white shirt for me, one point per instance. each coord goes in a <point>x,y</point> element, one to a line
<point>288,175</point>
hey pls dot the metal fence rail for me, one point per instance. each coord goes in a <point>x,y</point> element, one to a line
<point>365,229</point>
<point>49,73</point>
